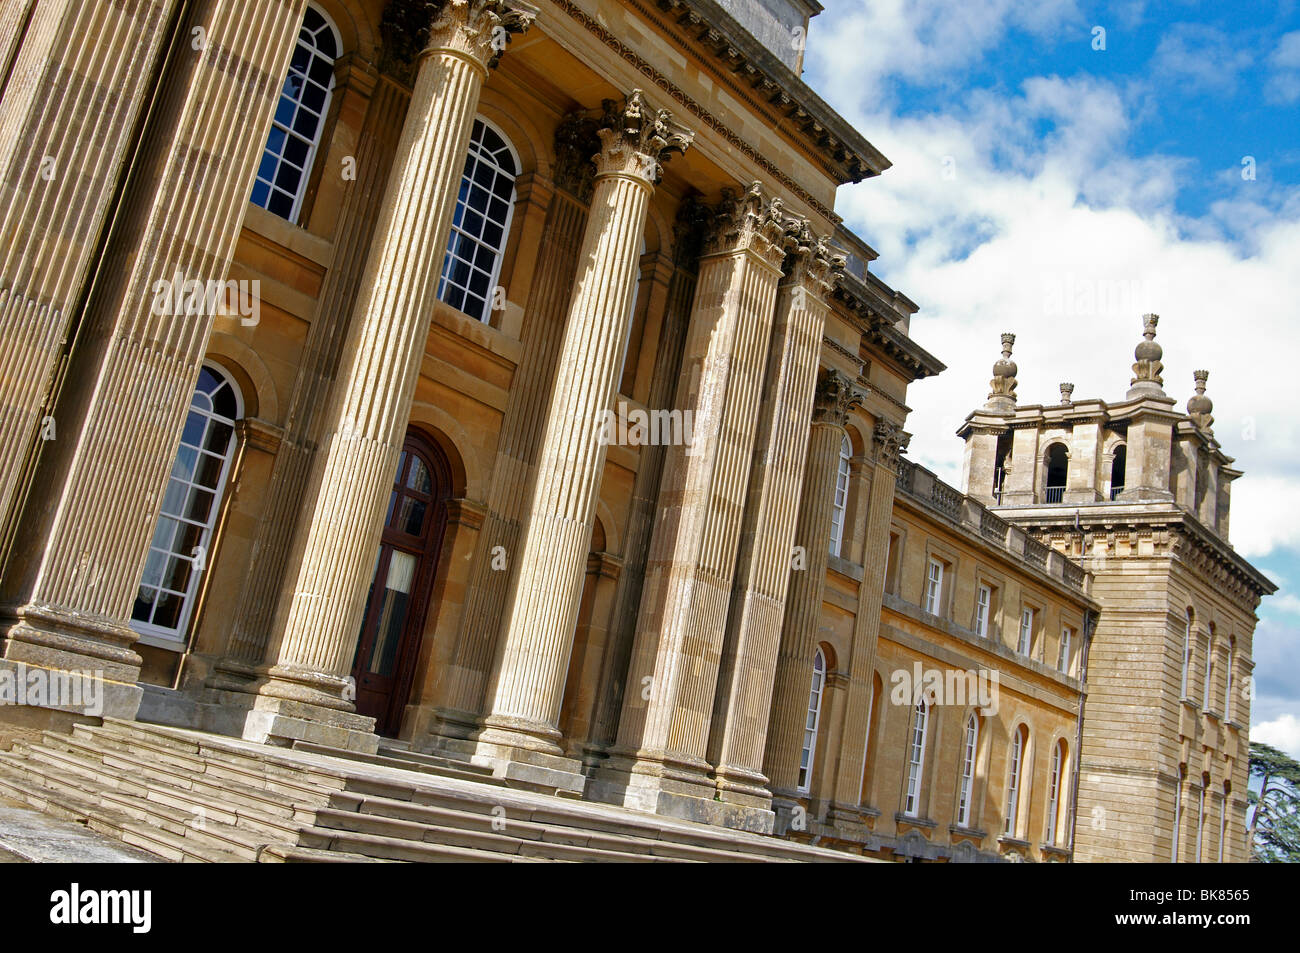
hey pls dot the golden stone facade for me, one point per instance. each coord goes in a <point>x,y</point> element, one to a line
<point>520,397</point>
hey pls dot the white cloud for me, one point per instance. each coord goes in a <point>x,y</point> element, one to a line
<point>1032,222</point>
<point>1282,733</point>
<point>1284,84</point>
<point>1201,58</point>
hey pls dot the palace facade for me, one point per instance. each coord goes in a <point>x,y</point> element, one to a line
<point>497,381</point>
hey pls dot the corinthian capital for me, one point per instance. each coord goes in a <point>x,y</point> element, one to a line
<point>636,140</point>
<point>890,441</point>
<point>834,396</point>
<point>480,29</point>
<point>811,260</point>
<point>751,221</point>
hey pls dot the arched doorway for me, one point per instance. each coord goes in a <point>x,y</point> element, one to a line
<point>389,644</point>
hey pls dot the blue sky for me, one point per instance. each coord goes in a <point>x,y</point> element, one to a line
<point>1159,173</point>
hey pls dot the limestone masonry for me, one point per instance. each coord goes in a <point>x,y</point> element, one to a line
<point>330,333</point>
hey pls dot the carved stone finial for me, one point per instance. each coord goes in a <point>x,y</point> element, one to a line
<point>749,221</point>
<point>1002,388</point>
<point>834,396</point>
<point>1199,406</point>
<point>1067,392</point>
<point>480,29</point>
<point>576,140</point>
<point>891,442</point>
<point>636,139</point>
<point>1147,366</point>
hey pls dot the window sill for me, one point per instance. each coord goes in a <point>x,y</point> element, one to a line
<point>156,641</point>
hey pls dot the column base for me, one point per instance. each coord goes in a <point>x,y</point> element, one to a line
<point>681,791</point>
<point>282,721</point>
<point>60,661</point>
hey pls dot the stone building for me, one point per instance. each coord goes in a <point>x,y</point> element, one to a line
<point>497,382</point>
<point>1137,493</point>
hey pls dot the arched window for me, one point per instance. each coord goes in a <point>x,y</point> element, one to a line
<point>809,750</point>
<point>1117,467</point>
<point>1178,812</point>
<point>916,760</point>
<point>480,223</point>
<point>1227,693</point>
<point>299,118</point>
<point>1054,791</point>
<point>1054,489</point>
<point>1207,689</point>
<point>1200,815</point>
<point>1223,817</point>
<point>1187,654</point>
<point>179,551</point>
<point>1011,823</point>
<point>964,794</point>
<point>841,496</point>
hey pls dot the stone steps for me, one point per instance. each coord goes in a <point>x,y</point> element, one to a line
<point>189,796</point>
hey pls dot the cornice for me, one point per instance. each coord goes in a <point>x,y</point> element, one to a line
<point>680,96</point>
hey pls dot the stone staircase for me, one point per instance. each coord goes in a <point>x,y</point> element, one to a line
<point>190,796</point>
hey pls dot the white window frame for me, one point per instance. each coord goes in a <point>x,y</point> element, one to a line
<point>983,608</point>
<point>916,759</point>
<point>1209,672</point>
<point>476,153</point>
<point>970,753</point>
<point>840,503</point>
<point>1200,822</point>
<point>1178,819</point>
<point>1010,823</point>
<point>808,751</point>
<point>1223,823</point>
<point>934,587</point>
<point>175,639</point>
<point>314,53</point>
<point>1063,654</point>
<point>1187,655</point>
<point>1227,693</point>
<point>1025,644</point>
<point>1054,793</point>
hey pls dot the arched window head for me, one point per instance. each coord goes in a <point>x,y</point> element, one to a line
<point>809,749</point>
<point>916,759</point>
<point>1015,767</point>
<point>966,789</point>
<point>1117,468</point>
<point>480,223</point>
<point>1054,789</point>
<point>180,549</point>
<point>841,500</point>
<point>1057,464</point>
<point>299,118</point>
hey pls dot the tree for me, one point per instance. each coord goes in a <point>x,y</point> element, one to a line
<point>1274,835</point>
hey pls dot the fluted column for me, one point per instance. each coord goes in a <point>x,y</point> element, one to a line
<point>528,678</point>
<point>81,73</point>
<point>258,597</point>
<point>803,607</point>
<point>460,708</point>
<point>888,440</point>
<point>692,218</point>
<point>663,730</point>
<point>744,696</point>
<point>334,555</point>
<point>67,593</point>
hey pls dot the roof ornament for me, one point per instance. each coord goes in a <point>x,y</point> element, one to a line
<point>1002,396</point>
<point>1147,381</point>
<point>1199,406</point>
